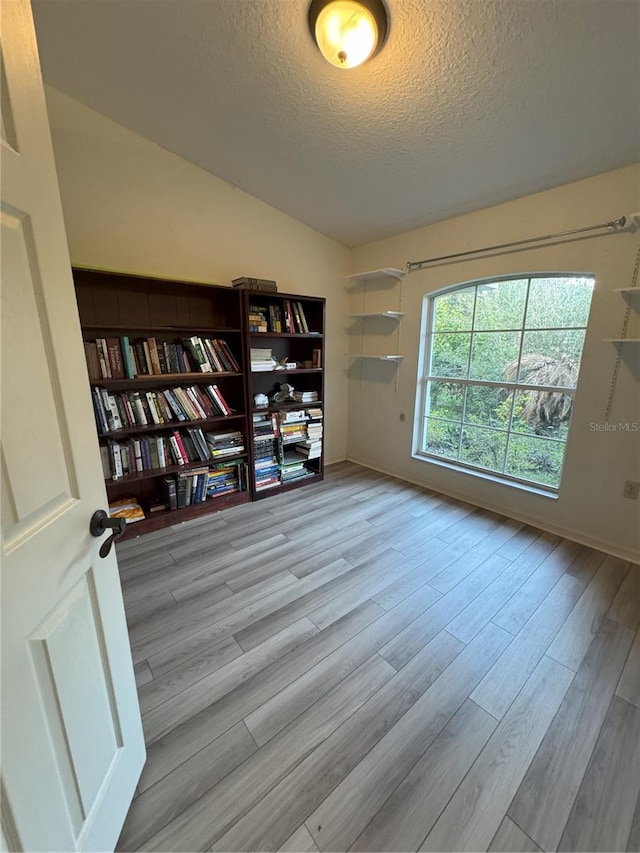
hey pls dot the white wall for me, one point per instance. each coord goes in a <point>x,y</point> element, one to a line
<point>131,206</point>
<point>590,507</point>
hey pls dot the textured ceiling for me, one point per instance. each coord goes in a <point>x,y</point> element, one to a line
<point>470,103</point>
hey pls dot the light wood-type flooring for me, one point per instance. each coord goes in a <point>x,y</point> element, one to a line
<point>366,665</point>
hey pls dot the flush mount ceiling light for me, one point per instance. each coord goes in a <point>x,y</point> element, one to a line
<point>348,32</point>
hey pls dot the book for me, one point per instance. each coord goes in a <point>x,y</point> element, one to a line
<point>114,355</point>
<point>246,283</point>
<point>153,355</point>
<point>169,492</point>
<point>103,358</point>
<point>127,508</point>
<point>93,363</point>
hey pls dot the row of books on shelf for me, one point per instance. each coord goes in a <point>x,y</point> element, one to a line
<point>195,486</point>
<point>289,316</point>
<point>154,452</point>
<point>122,358</point>
<point>126,409</point>
<point>184,489</point>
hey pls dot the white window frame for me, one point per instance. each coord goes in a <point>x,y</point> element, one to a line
<point>424,377</point>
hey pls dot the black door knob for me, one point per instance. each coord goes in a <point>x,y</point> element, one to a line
<point>101,522</point>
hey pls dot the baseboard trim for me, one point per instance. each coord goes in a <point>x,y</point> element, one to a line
<point>573,535</point>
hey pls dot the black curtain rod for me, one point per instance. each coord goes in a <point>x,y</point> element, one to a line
<point>613,225</point>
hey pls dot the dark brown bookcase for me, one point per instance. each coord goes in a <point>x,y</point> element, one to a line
<point>117,305</point>
<point>113,305</point>
<point>291,345</point>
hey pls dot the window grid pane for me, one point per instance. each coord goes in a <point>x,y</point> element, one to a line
<point>514,418</point>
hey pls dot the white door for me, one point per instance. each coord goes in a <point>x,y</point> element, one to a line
<point>72,744</point>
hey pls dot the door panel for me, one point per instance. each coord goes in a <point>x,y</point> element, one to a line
<point>72,737</point>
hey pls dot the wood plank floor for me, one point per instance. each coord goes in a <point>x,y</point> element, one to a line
<point>366,665</point>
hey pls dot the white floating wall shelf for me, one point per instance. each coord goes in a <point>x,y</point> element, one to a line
<point>391,315</point>
<point>371,275</point>
<point>376,357</point>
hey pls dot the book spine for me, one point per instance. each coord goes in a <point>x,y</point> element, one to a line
<point>115,358</point>
<point>196,404</point>
<point>214,357</point>
<point>183,449</point>
<point>116,460</point>
<point>174,403</point>
<point>93,363</point>
<point>101,417</point>
<point>153,356</point>
<point>185,402</point>
<point>152,409</point>
<point>103,358</point>
<point>224,406</point>
<point>141,414</point>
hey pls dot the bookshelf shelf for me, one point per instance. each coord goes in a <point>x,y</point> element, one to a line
<point>315,335</point>
<point>372,275</point>
<point>161,379</point>
<point>170,469</point>
<point>161,330</point>
<point>286,407</point>
<point>151,428</point>
<point>287,370</point>
<point>390,315</point>
<point>628,291</point>
<point>622,340</point>
<point>163,518</point>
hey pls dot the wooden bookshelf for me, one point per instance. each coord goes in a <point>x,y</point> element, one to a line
<point>292,331</point>
<point>117,306</point>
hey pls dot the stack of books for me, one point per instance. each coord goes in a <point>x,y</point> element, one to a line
<point>246,283</point>
<point>225,443</point>
<point>293,426</point>
<point>261,359</point>
<point>311,447</point>
<point>292,468</point>
<point>267,469</point>
<point>305,396</point>
<point>225,478</point>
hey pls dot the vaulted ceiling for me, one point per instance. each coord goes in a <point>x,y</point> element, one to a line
<point>470,102</point>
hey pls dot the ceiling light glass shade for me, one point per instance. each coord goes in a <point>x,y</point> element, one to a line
<point>346,32</point>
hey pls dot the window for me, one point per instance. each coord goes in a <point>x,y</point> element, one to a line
<point>501,366</point>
